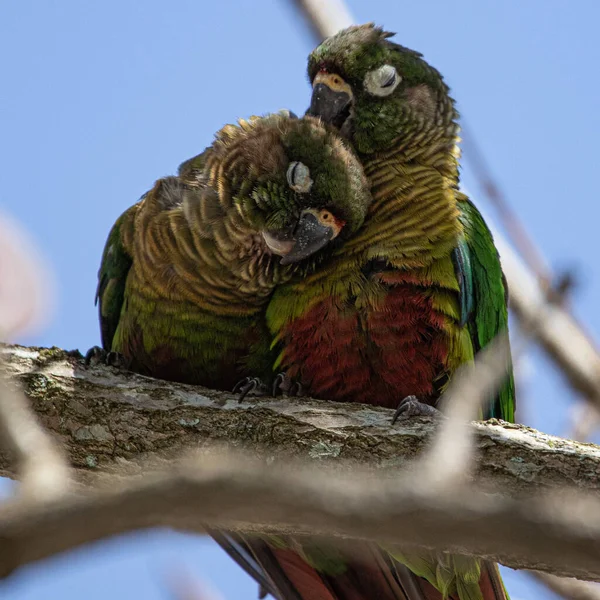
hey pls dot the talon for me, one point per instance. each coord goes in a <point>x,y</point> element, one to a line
<point>247,389</point>
<point>239,384</point>
<point>95,354</point>
<point>115,359</point>
<point>287,385</point>
<point>296,389</point>
<point>247,385</point>
<point>411,406</point>
<point>278,384</point>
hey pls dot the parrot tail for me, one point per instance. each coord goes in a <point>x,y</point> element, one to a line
<point>286,574</point>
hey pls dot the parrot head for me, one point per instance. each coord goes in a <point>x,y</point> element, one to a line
<point>294,182</point>
<point>375,91</point>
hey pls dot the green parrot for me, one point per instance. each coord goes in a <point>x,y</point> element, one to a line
<point>188,271</point>
<point>391,314</point>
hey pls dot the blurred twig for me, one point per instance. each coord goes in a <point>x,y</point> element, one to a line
<point>324,17</point>
<point>44,473</point>
<point>567,587</point>
<point>180,584</point>
<point>560,534</point>
<point>448,462</point>
<point>584,420</point>
<point>23,285</point>
<point>26,290</point>
<point>512,224</point>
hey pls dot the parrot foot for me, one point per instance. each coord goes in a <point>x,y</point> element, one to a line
<point>287,385</point>
<point>411,406</point>
<point>96,355</point>
<point>247,385</point>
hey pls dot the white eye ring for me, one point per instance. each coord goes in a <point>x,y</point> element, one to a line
<point>298,177</point>
<point>382,81</point>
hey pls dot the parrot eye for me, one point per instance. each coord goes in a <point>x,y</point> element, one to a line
<point>298,177</point>
<point>382,81</point>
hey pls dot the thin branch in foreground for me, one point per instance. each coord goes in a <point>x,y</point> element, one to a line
<point>180,584</point>
<point>518,234</point>
<point>559,534</point>
<point>26,287</point>
<point>44,473</point>
<point>448,462</point>
<point>584,419</point>
<point>570,588</point>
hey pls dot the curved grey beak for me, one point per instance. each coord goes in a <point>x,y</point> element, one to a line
<point>331,106</point>
<point>308,236</point>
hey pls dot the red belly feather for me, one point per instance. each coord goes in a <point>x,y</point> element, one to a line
<point>377,356</point>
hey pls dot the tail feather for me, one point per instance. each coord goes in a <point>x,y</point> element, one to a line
<point>366,572</point>
<point>368,575</point>
<point>491,584</point>
<point>237,549</point>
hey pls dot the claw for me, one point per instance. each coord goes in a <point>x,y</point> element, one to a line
<point>96,355</point>
<point>411,406</point>
<point>116,359</point>
<point>286,385</point>
<point>278,383</point>
<point>247,385</point>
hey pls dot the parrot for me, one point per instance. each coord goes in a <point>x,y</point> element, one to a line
<point>187,272</point>
<point>393,312</point>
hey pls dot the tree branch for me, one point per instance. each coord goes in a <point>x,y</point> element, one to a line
<point>110,421</point>
<point>118,423</point>
<point>535,533</point>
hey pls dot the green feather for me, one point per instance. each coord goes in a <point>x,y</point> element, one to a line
<point>112,277</point>
<point>489,315</point>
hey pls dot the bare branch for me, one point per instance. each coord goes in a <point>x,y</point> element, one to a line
<point>26,290</point>
<point>116,424</point>
<point>512,224</point>
<point>448,462</point>
<point>578,359</point>
<point>43,470</point>
<point>109,420</point>
<point>557,533</point>
<point>180,584</point>
<point>569,588</point>
<point>325,17</point>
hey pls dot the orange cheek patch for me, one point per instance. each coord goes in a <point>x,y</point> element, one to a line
<point>338,225</point>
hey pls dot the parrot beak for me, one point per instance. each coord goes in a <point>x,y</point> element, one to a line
<point>331,99</point>
<point>307,237</point>
<point>332,107</point>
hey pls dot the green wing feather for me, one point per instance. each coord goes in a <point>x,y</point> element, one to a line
<point>116,262</point>
<point>112,277</point>
<point>480,274</point>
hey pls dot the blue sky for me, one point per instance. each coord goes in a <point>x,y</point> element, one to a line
<point>99,99</point>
